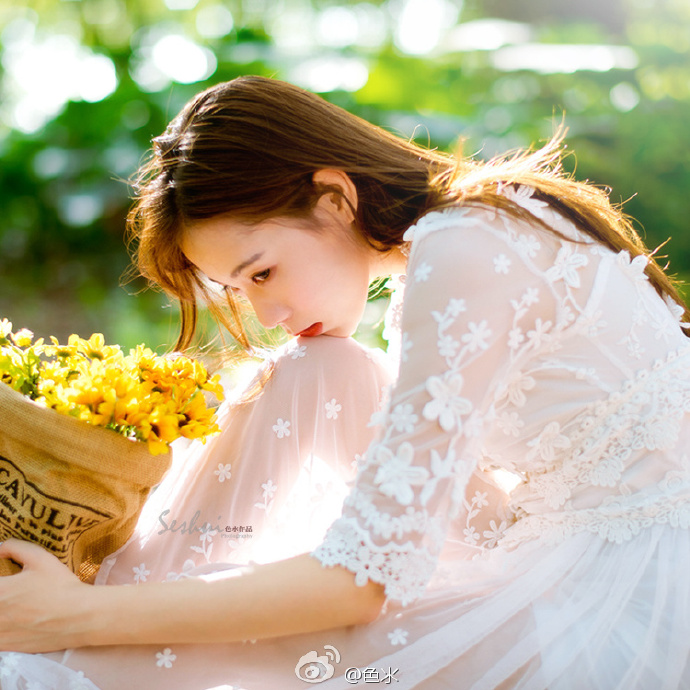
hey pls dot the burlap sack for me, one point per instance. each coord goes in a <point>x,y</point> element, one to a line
<point>75,489</point>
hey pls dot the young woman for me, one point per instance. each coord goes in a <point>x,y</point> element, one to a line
<point>541,349</point>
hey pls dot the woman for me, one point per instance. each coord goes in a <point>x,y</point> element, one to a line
<point>539,343</point>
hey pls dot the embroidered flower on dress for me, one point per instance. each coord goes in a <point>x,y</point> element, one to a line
<point>549,441</point>
<point>515,390</point>
<point>447,346</point>
<point>565,268</point>
<point>494,535</point>
<point>446,405</point>
<point>438,220</point>
<point>78,683</point>
<point>165,658</point>
<point>509,423</point>
<point>396,475</point>
<point>269,489</point>
<point>298,351</point>
<point>140,572</point>
<point>635,268</point>
<point>539,334</point>
<point>477,337</point>
<point>515,338</point>
<point>523,196</point>
<point>403,418</point>
<point>398,637</point>
<point>422,272</point>
<point>332,409</point>
<point>502,264</point>
<point>529,245</point>
<point>441,468</point>
<point>223,472</point>
<point>206,533</point>
<point>281,428</point>
<point>405,347</point>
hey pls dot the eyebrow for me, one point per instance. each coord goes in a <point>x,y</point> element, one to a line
<point>245,264</point>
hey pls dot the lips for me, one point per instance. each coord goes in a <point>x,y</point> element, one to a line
<point>313,330</point>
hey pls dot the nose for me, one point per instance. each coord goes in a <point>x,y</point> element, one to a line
<point>271,314</point>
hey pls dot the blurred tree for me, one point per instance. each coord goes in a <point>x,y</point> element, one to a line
<point>85,84</point>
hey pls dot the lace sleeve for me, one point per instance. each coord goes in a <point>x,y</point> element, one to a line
<point>466,321</point>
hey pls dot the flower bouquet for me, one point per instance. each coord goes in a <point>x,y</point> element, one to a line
<point>84,437</point>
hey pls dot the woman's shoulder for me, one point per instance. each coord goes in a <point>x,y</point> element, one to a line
<point>529,213</point>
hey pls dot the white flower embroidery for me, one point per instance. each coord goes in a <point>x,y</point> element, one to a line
<point>140,572</point>
<point>476,338</point>
<point>493,535</point>
<point>78,683</point>
<point>446,405</point>
<point>403,418</point>
<point>405,347</point>
<point>187,566</point>
<point>299,351</point>
<point>549,441</point>
<point>206,533</point>
<point>522,196</point>
<point>635,268</point>
<point>510,423</point>
<point>396,475</point>
<point>165,658</point>
<point>516,388</point>
<point>332,409</point>
<point>565,268</point>
<point>502,264</point>
<point>456,307</point>
<point>223,472</point>
<point>529,245</point>
<point>281,428</point>
<point>447,346</point>
<point>539,334</point>
<point>515,338</point>
<point>437,220</point>
<point>441,468</point>
<point>422,272</point>
<point>398,636</point>
<point>269,489</point>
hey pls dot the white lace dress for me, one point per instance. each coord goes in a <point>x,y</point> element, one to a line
<point>543,364</point>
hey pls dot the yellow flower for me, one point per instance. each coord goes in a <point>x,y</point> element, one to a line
<point>23,337</point>
<point>5,327</point>
<point>141,395</point>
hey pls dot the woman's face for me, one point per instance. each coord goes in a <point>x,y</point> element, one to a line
<point>310,280</point>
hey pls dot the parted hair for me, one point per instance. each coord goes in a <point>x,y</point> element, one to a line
<point>249,148</point>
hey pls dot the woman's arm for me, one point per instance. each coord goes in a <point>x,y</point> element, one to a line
<point>46,607</point>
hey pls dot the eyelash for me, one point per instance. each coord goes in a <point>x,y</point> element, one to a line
<point>261,277</point>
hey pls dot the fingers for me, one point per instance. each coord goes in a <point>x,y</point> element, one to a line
<point>29,556</point>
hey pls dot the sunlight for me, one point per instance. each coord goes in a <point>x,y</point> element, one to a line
<point>422,23</point>
<point>546,58</point>
<point>331,74</point>
<point>44,73</point>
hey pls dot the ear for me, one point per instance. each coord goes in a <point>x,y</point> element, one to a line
<point>329,177</point>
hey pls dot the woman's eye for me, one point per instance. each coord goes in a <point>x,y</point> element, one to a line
<point>261,277</point>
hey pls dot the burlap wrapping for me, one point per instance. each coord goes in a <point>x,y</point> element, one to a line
<point>75,489</point>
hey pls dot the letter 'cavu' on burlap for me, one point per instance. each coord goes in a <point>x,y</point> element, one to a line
<point>75,489</point>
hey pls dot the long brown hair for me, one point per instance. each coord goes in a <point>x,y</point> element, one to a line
<point>249,148</point>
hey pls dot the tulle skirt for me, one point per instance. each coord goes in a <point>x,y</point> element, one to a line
<point>586,614</point>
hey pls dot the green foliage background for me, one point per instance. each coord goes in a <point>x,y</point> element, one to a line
<point>629,126</point>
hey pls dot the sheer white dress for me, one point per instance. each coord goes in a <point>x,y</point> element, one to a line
<point>524,498</point>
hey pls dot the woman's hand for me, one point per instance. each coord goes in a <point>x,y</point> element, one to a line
<point>46,608</point>
<point>43,608</point>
